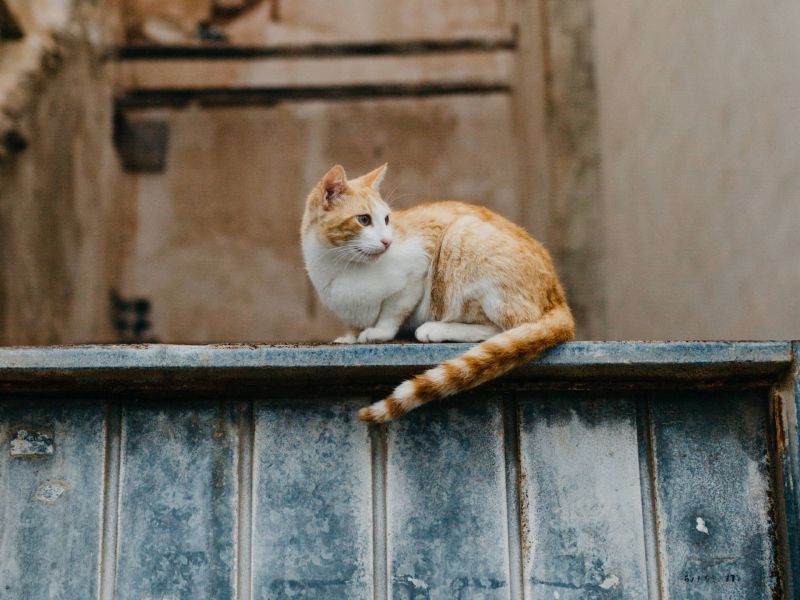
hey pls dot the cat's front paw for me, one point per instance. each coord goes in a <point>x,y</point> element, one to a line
<point>432,331</point>
<point>345,339</point>
<point>375,334</point>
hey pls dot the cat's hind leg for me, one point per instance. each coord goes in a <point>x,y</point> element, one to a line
<point>442,331</point>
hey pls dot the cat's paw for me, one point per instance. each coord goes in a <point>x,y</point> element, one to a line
<point>375,334</point>
<point>432,331</point>
<point>345,339</point>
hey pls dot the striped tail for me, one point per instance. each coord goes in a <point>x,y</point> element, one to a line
<point>486,361</point>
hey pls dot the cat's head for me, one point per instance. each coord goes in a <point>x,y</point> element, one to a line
<point>349,216</point>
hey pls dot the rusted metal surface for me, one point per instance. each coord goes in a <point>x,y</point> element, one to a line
<point>786,464</point>
<point>525,493</point>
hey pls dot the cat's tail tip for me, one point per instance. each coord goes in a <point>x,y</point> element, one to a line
<point>402,400</point>
<point>376,413</point>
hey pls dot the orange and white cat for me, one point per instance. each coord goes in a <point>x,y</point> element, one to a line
<point>450,271</point>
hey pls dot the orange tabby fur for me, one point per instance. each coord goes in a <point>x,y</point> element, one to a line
<point>479,269</point>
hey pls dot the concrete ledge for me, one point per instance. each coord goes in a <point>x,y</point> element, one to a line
<point>233,368</point>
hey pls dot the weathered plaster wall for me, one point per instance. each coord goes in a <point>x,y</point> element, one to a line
<point>217,247</point>
<point>529,148</point>
<point>61,220</point>
<point>700,126</point>
<point>693,235</point>
<point>574,203</point>
<point>267,22</point>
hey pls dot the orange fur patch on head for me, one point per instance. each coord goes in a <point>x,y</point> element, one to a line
<point>335,203</point>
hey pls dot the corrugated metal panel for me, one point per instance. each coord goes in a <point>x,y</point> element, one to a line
<point>51,505</point>
<point>177,502</point>
<point>580,465</point>
<point>170,473</point>
<point>446,504</point>
<point>312,499</point>
<point>712,484</point>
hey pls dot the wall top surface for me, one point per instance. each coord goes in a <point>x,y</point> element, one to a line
<point>166,367</point>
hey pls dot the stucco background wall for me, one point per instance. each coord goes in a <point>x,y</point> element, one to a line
<point>700,134</point>
<point>62,219</point>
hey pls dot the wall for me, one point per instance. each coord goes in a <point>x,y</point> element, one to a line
<point>61,225</point>
<point>278,22</point>
<point>699,105</point>
<point>216,250</point>
<point>217,247</point>
<point>677,221</point>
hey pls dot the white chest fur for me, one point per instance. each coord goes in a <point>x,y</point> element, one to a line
<point>354,292</point>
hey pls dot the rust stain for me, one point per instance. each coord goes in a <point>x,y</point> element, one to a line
<point>776,408</point>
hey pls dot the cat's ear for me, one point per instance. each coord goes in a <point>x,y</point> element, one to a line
<point>332,185</point>
<point>374,178</point>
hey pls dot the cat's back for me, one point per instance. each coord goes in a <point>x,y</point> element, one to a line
<point>474,250</point>
<point>465,222</point>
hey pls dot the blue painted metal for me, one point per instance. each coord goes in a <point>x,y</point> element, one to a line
<point>261,484</point>
<point>312,493</point>
<point>52,360</point>
<point>583,504</point>
<point>177,502</point>
<point>50,505</point>
<point>446,504</point>
<point>712,484</point>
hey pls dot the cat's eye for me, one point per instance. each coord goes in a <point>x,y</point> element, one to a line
<point>364,220</point>
<point>386,220</point>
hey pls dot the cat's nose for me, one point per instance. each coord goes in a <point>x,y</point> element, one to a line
<point>386,243</point>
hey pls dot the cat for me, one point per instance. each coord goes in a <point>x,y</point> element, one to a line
<point>450,271</point>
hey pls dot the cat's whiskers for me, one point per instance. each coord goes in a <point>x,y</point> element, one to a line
<point>394,199</point>
<point>390,195</point>
<point>344,254</point>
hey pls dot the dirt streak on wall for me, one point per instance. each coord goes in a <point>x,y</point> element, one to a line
<point>61,225</point>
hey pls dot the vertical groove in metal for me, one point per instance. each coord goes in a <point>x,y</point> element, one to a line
<point>647,479</point>
<point>244,482</point>
<point>380,566</point>
<point>513,505</point>
<point>110,510</point>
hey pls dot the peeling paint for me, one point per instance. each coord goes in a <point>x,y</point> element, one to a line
<point>410,582</point>
<point>610,582</point>
<point>50,491</point>
<point>412,588</point>
<point>701,525</point>
<point>32,442</point>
